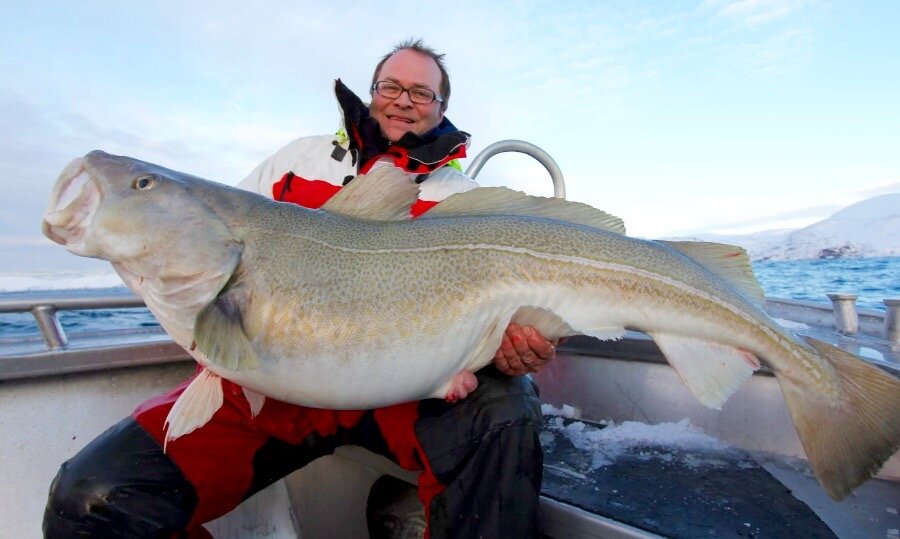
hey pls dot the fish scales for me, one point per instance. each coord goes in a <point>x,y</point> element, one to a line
<point>336,308</point>
<point>443,269</point>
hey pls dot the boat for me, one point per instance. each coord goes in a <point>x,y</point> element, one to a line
<point>62,388</point>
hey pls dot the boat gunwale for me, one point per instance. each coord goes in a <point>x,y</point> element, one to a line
<point>86,351</point>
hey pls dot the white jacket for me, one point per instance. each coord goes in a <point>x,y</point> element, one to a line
<point>326,158</point>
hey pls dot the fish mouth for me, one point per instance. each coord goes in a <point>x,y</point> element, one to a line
<point>72,208</point>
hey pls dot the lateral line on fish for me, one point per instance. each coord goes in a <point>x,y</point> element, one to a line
<point>622,268</point>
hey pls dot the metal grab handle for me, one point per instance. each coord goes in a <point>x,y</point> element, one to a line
<point>45,305</point>
<point>520,146</point>
<point>51,329</point>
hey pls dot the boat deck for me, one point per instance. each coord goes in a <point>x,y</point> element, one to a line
<point>686,493</point>
<point>53,400</point>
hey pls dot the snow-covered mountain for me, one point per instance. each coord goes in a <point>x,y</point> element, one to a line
<point>869,228</point>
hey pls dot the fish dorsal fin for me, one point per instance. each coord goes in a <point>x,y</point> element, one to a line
<point>385,193</point>
<point>729,262</point>
<point>504,201</point>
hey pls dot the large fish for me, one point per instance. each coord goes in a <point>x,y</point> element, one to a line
<point>357,306</point>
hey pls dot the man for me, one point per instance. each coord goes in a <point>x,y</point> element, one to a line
<point>479,458</point>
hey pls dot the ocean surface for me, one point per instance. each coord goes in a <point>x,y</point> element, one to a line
<point>873,279</point>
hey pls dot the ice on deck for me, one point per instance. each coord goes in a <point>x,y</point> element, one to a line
<point>670,479</point>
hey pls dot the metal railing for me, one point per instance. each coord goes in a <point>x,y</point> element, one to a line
<point>58,352</point>
<point>44,308</point>
<point>520,146</point>
<point>63,353</point>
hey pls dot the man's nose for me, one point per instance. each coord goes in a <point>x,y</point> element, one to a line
<point>403,99</point>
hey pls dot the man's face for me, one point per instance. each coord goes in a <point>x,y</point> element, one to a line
<point>397,116</point>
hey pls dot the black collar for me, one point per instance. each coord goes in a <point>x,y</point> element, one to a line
<point>414,153</point>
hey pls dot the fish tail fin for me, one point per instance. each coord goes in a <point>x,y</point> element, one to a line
<point>850,432</point>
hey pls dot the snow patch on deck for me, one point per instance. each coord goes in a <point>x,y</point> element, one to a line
<point>665,441</point>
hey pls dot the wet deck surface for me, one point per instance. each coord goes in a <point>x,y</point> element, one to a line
<point>678,492</point>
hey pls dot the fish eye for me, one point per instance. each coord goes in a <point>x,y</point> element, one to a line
<point>143,183</point>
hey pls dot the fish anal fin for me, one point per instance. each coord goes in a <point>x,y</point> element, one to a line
<point>219,334</point>
<point>711,371</point>
<point>606,334</point>
<point>255,400</point>
<point>385,193</point>
<point>504,201</point>
<point>846,437</point>
<point>729,262</point>
<point>195,406</point>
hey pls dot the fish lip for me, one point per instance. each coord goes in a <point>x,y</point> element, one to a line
<point>73,204</point>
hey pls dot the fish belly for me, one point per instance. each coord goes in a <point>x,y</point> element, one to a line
<point>371,373</point>
<point>393,358</point>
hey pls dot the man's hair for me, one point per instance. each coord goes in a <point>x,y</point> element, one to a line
<point>419,47</point>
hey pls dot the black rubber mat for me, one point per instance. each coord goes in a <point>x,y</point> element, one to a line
<point>675,491</point>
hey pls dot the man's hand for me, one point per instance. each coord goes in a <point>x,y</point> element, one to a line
<point>523,351</point>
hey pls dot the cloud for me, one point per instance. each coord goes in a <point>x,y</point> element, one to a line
<point>758,12</point>
<point>25,241</point>
<point>785,219</point>
<point>40,139</point>
<point>648,108</point>
<point>893,187</point>
<point>770,37</point>
<point>778,54</point>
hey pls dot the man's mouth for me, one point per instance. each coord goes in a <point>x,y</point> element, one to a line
<point>401,119</point>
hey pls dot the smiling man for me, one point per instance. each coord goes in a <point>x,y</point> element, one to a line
<point>405,94</point>
<point>477,451</point>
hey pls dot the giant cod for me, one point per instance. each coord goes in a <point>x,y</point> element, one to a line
<point>356,305</point>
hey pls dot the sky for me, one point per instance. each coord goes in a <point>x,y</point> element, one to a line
<point>680,117</point>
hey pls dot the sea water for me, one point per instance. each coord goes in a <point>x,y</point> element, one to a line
<point>873,279</point>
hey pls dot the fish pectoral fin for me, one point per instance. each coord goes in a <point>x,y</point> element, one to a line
<point>218,333</point>
<point>546,322</point>
<point>386,193</point>
<point>712,371</point>
<point>729,262</point>
<point>195,406</point>
<point>504,201</point>
<point>255,400</point>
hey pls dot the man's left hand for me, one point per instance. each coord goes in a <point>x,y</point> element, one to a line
<point>523,350</point>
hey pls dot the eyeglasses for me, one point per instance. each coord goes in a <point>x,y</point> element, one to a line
<point>417,94</point>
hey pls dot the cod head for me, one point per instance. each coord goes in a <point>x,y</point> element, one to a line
<point>148,221</point>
